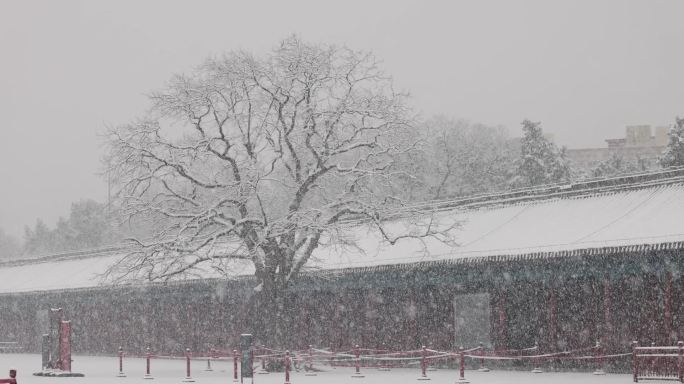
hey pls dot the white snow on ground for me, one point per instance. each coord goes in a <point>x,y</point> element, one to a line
<point>103,370</point>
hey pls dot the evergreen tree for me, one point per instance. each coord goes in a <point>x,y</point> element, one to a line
<point>541,162</point>
<point>674,153</point>
<point>9,246</point>
<point>458,158</point>
<point>88,226</point>
<point>38,240</point>
<point>616,165</point>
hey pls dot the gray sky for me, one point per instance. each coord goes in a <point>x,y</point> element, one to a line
<point>584,68</point>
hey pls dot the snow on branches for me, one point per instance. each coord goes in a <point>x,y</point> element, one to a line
<point>265,154</point>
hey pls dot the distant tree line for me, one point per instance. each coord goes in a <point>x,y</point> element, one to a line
<point>459,158</point>
<point>10,247</point>
<point>88,226</point>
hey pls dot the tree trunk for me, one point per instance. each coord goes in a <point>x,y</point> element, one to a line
<point>272,316</point>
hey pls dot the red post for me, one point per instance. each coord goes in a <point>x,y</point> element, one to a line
<point>287,367</point>
<point>188,378</point>
<point>461,371</point>
<point>423,363</point>
<point>65,345</point>
<point>121,373</point>
<point>482,360</point>
<point>332,357</point>
<point>211,356</point>
<point>653,361</point>
<point>357,362</point>
<point>599,359</point>
<point>235,366</point>
<point>536,360</point>
<point>635,362</point>
<point>148,356</point>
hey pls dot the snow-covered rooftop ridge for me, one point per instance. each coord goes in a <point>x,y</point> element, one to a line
<point>585,188</point>
<point>66,255</point>
<point>578,188</point>
<point>641,214</point>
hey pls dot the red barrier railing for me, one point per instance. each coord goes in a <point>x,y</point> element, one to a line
<point>658,362</point>
<point>646,362</point>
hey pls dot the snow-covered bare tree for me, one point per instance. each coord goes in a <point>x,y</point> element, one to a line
<point>674,152</point>
<point>462,158</point>
<point>260,159</point>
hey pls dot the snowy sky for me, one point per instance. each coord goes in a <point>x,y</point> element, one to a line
<point>68,69</point>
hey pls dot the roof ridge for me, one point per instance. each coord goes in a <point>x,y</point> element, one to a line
<point>591,187</point>
<point>67,255</point>
<point>533,255</point>
<point>585,187</point>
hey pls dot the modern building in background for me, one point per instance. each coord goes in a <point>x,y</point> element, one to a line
<point>641,145</point>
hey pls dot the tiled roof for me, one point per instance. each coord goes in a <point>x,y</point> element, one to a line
<point>629,214</point>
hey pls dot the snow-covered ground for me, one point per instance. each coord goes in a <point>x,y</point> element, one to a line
<point>103,370</point>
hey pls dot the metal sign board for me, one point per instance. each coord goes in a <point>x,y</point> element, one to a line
<point>246,356</point>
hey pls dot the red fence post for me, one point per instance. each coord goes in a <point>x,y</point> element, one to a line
<point>423,364</point>
<point>235,366</point>
<point>599,359</point>
<point>461,370</point>
<point>536,360</point>
<point>121,373</point>
<point>211,356</point>
<point>635,362</point>
<point>652,360</point>
<point>482,360</point>
<point>148,356</point>
<point>65,345</point>
<point>357,363</point>
<point>332,357</point>
<point>188,378</point>
<point>287,367</point>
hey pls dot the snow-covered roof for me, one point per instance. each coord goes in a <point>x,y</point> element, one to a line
<point>616,215</point>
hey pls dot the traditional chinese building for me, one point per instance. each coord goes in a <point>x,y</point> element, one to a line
<point>562,266</point>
